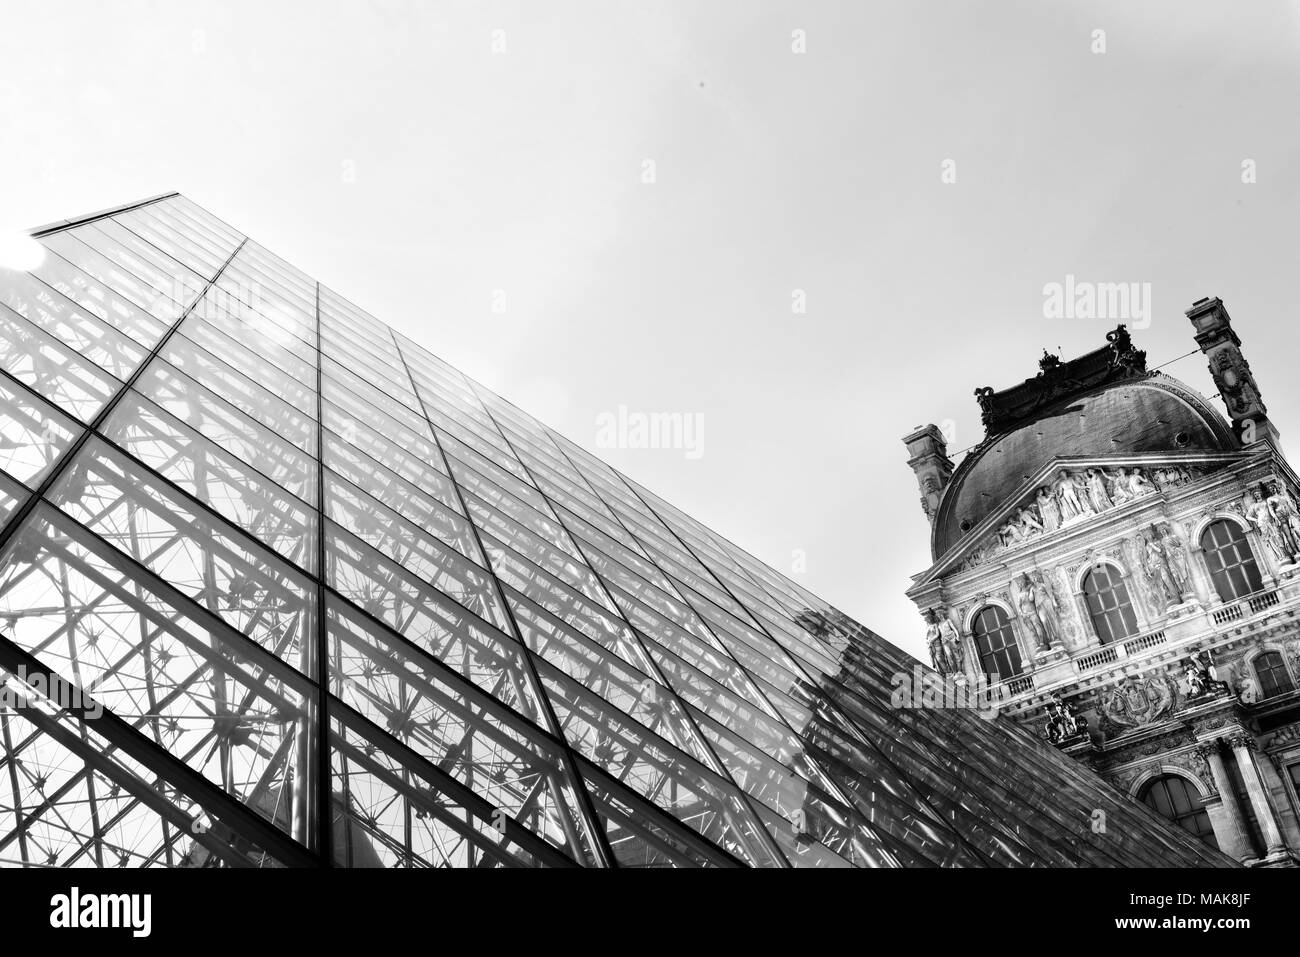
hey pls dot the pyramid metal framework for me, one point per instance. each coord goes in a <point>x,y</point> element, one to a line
<point>278,587</point>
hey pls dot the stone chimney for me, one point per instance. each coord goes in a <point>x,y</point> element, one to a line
<point>929,460</point>
<point>1231,372</point>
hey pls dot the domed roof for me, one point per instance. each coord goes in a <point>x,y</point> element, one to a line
<point>1150,412</point>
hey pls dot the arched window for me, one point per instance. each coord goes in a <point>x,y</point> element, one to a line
<point>995,643</point>
<point>1175,799</point>
<point>1270,669</point>
<point>1109,604</point>
<point>1229,559</point>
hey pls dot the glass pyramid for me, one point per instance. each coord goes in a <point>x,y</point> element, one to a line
<point>278,587</point>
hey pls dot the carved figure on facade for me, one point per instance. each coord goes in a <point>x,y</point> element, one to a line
<point>1179,565</point>
<point>1236,383</point>
<point>1257,510</point>
<point>1122,353</point>
<point>1283,507</point>
<point>1031,616</point>
<point>944,642</point>
<point>1159,579</point>
<point>1049,612</point>
<point>1098,493</point>
<point>1062,724</point>
<point>1049,509</point>
<point>1066,491</point>
<point>1133,702</point>
<point>1287,735</point>
<point>1202,675</point>
<point>1195,761</point>
<point>1070,497</point>
<point>1175,475</point>
<point>1244,685</point>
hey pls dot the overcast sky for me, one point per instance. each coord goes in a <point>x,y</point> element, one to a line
<point>604,204</point>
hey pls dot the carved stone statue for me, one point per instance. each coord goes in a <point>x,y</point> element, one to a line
<point>1022,526</point>
<point>1122,353</point>
<point>1031,614</point>
<point>1283,507</point>
<point>1202,677</point>
<point>1097,491</point>
<point>951,645</point>
<point>1120,487</point>
<point>1247,689</point>
<point>1086,505</point>
<point>1045,605</point>
<point>1257,510</point>
<point>1172,475</point>
<point>1067,495</point>
<point>1178,563</point>
<point>944,643</point>
<point>1049,509</point>
<point>1164,592</point>
<point>1139,484</point>
<point>1062,723</point>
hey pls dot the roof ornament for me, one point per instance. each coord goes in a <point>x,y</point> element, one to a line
<point>1122,354</point>
<point>1048,363</point>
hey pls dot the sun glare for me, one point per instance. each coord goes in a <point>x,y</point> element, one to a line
<point>19,251</point>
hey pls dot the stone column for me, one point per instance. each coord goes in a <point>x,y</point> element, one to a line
<point>1234,843</point>
<point>1243,746</point>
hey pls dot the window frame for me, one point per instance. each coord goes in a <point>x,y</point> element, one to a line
<point>1277,663</point>
<point>990,658</point>
<point>1239,544</point>
<point>1116,585</point>
<point>1196,811</point>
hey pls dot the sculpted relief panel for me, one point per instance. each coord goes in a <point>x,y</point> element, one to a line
<point>1133,702</point>
<point>1075,496</point>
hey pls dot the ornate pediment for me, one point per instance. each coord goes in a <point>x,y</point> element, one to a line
<point>1073,495</point>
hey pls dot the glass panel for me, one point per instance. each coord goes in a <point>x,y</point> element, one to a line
<point>258,403</point>
<point>230,429</point>
<point>55,371</point>
<point>193,550</point>
<point>102,301</point>
<point>191,251</point>
<point>216,478</point>
<point>86,252</point>
<point>433,513</point>
<point>418,552</point>
<point>200,692</point>
<point>430,620</point>
<point>33,434</point>
<point>457,728</point>
<point>75,328</point>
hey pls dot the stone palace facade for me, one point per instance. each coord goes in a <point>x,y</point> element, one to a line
<point>1122,563</point>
